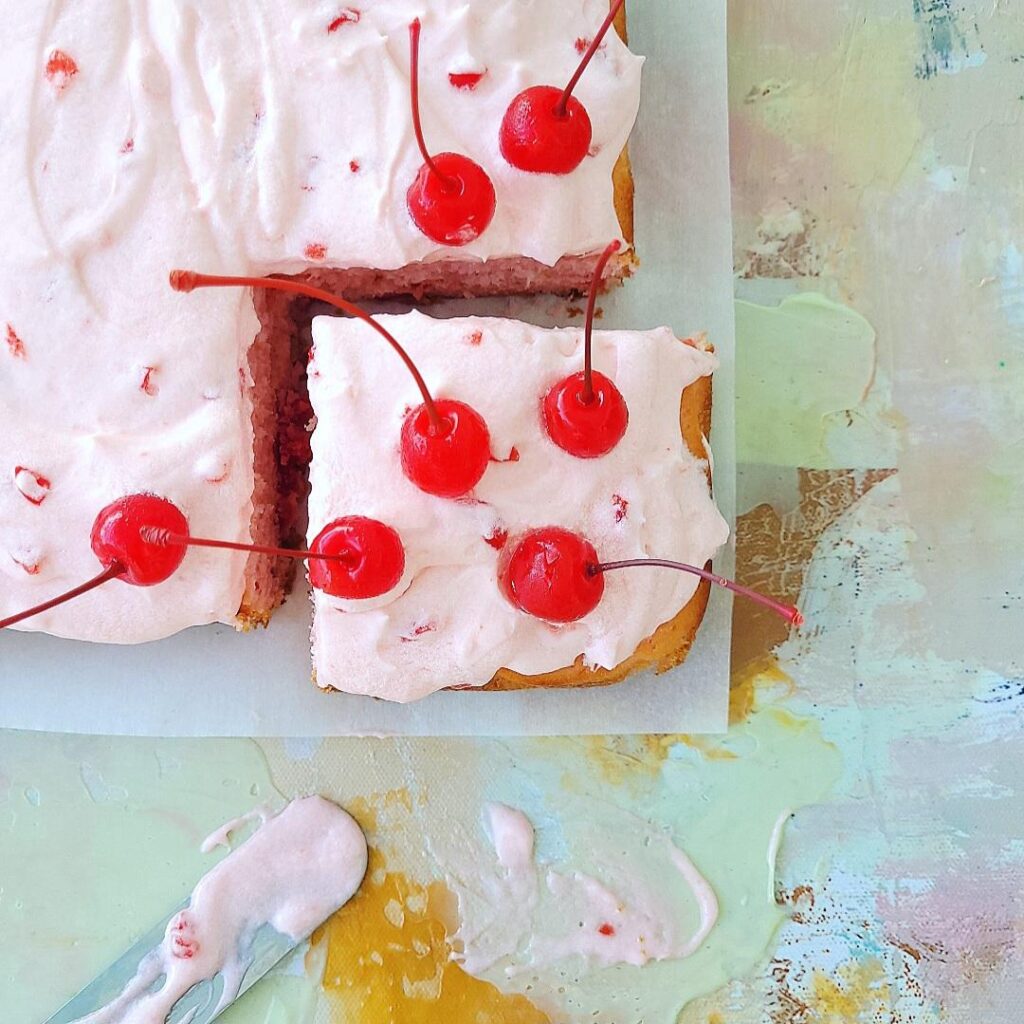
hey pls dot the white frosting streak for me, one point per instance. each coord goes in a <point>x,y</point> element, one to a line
<point>297,870</point>
<point>451,625</point>
<point>627,920</point>
<point>233,138</point>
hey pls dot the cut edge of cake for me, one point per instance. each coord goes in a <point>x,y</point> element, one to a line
<point>281,414</point>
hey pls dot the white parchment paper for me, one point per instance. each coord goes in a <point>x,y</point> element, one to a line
<point>211,681</point>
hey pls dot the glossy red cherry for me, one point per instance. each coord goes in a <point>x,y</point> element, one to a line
<point>555,575</point>
<point>447,461</point>
<point>546,130</point>
<point>548,575</point>
<point>585,413</point>
<point>368,558</point>
<point>445,445</point>
<point>142,539</point>
<point>585,429</point>
<point>536,137</point>
<point>451,199</point>
<point>119,538</point>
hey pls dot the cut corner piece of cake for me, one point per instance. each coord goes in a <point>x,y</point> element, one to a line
<point>448,623</point>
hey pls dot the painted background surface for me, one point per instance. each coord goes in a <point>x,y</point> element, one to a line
<point>878,160</point>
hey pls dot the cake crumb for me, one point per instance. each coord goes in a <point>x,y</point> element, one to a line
<point>417,631</point>
<point>34,487</point>
<point>315,251</point>
<point>348,16</point>
<point>497,538</point>
<point>467,80</point>
<point>147,386</point>
<point>621,507</point>
<point>15,345</point>
<point>60,69</point>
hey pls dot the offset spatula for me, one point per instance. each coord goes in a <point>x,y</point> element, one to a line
<point>201,1004</point>
<point>299,867</point>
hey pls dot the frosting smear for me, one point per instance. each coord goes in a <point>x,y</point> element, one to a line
<point>297,869</point>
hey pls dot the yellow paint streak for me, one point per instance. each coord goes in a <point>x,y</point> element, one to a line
<point>762,674</point>
<point>388,959</point>
<point>625,759</point>
<point>366,810</point>
<point>861,993</point>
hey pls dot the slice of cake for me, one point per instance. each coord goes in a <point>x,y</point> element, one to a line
<point>267,140</point>
<point>449,623</point>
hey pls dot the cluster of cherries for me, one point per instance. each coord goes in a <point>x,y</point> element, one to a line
<point>445,447</point>
<point>545,130</point>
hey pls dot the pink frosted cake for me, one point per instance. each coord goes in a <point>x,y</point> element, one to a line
<point>260,138</point>
<point>447,622</point>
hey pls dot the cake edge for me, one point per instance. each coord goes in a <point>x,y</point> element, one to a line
<point>668,646</point>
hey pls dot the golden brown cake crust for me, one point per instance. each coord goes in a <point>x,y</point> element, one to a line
<point>671,641</point>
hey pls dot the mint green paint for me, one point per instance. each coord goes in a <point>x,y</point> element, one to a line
<point>801,367</point>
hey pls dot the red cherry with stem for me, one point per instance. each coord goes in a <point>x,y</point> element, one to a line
<point>118,538</point>
<point>142,539</point>
<point>546,575</point>
<point>445,445</point>
<point>554,574</point>
<point>447,462</point>
<point>367,558</point>
<point>451,199</point>
<point>547,130</point>
<point>585,413</point>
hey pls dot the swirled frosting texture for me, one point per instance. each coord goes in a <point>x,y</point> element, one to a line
<point>447,623</point>
<point>248,138</point>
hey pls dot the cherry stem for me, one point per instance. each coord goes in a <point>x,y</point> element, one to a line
<point>595,283</point>
<point>110,573</point>
<point>414,83</point>
<point>787,611</point>
<point>164,538</point>
<point>563,100</point>
<point>189,280</point>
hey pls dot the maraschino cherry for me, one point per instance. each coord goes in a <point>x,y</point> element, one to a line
<point>546,574</point>
<point>546,130</point>
<point>556,575</point>
<point>585,413</point>
<point>451,199</point>
<point>142,539</point>
<point>365,558</point>
<point>445,445</point>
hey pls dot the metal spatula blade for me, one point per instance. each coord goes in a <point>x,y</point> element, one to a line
<point>203,1002</point>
